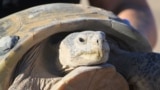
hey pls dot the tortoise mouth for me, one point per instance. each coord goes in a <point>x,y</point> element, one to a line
<point>92,58</point>
<point>91,55</point>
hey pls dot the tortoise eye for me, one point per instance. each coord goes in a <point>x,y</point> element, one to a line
<point>81,40</point>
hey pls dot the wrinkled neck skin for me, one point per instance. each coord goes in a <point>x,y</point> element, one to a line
<point>32,74</point>
<point>142,70</point>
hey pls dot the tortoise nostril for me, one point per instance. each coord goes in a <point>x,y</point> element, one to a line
<point>100,41</point>
<point>97,41</point>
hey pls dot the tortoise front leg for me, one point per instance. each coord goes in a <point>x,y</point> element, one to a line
<point>142,70</point>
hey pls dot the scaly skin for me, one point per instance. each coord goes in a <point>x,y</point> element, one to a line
<point>83,48</point>
<point>141,70</point>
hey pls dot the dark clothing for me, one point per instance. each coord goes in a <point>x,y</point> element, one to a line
<point>10,6</point>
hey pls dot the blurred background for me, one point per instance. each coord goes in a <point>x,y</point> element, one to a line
<point>155,7</point>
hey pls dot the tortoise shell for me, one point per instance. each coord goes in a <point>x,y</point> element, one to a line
<point>41,22</point>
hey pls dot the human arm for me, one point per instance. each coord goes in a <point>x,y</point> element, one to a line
<point>136,11</point>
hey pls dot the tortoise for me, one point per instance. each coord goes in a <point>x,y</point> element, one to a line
<point>34,35</point>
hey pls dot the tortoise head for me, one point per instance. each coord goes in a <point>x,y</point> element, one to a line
<point>83,48</point>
